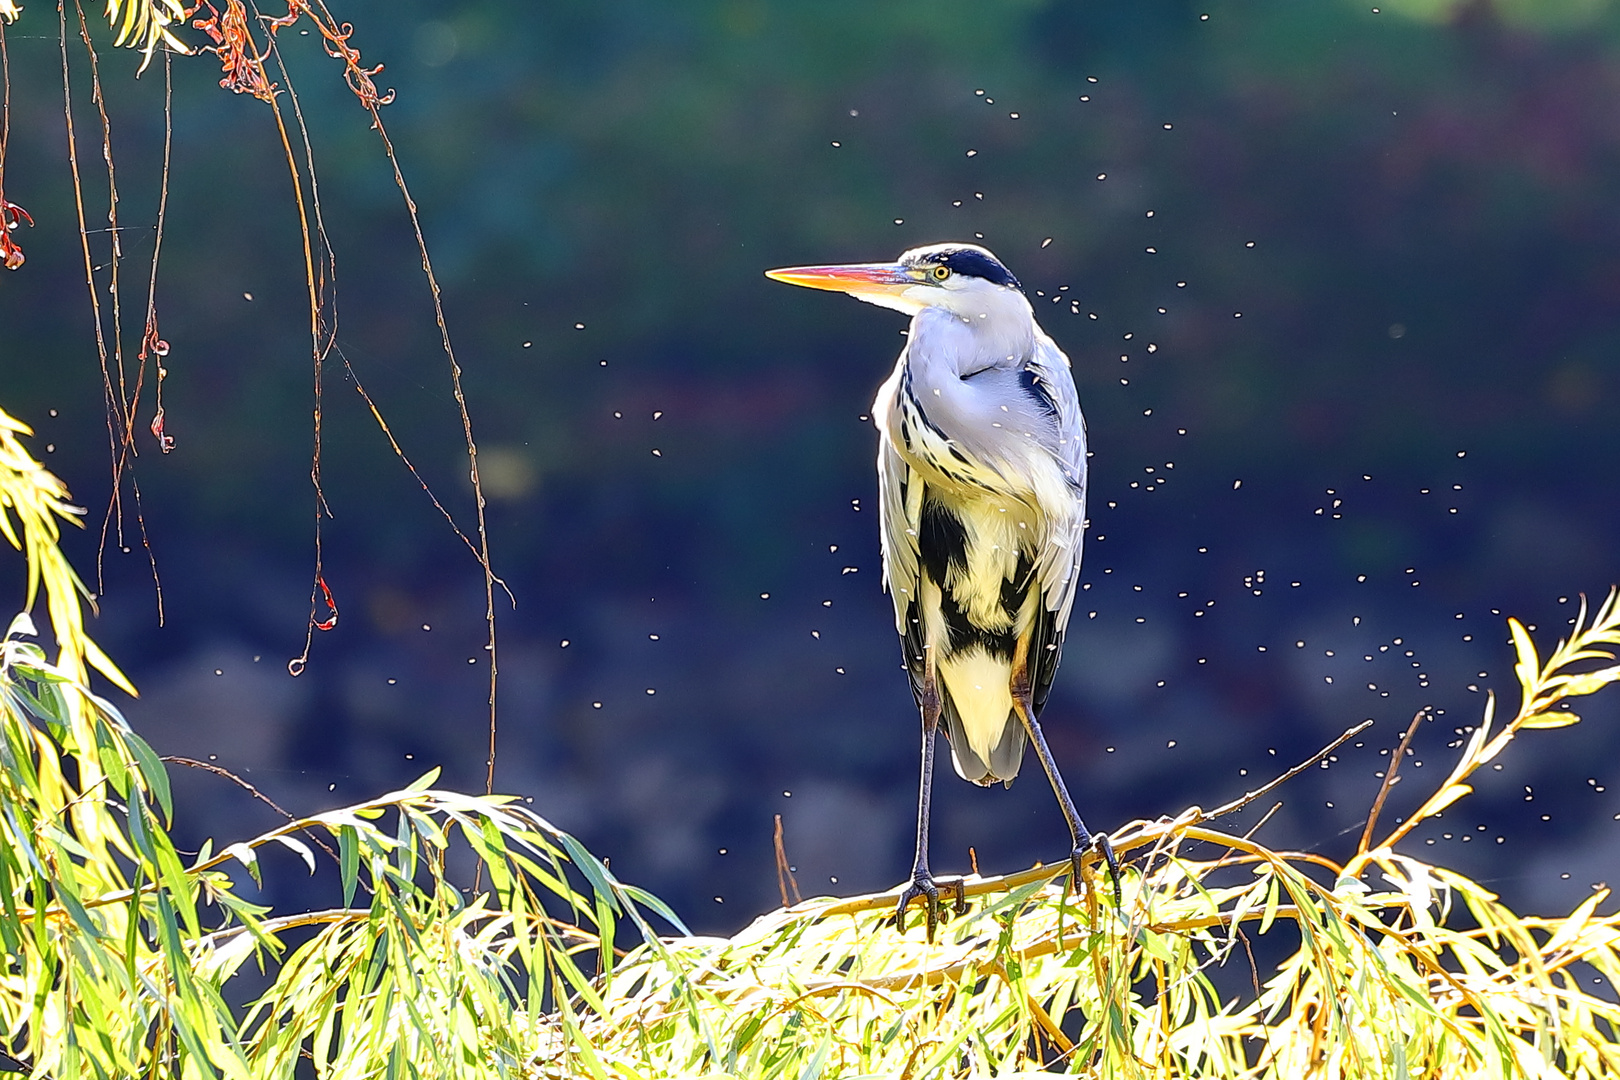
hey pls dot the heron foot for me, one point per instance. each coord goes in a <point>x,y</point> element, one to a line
<point>924,885</point>
<point>1099,844</point>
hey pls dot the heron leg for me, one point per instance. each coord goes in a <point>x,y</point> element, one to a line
<point>1083,840</point>
<point>922,879</point>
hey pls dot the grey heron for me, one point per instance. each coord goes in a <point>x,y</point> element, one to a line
<point>982,493</point>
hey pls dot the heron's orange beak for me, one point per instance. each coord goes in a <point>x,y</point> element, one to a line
<point>860,279</point>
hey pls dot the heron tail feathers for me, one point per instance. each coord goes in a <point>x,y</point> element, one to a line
<point>1005,756</point>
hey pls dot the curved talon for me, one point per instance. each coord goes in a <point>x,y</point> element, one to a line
<point>1099,843</point>
<point>921,885</point>
<point>929,889</point>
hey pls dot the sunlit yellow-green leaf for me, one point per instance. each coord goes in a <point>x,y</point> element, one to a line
<point>1446,797</point>
<point>1589,682</point>
<point>1527,665</point>
<point>144,24</point>
<point>1557,719</point>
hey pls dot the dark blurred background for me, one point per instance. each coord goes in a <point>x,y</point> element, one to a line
<point>1342,290</point>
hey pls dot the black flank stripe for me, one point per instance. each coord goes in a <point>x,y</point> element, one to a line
<point>941,541</point>
<point>1013,591</point>
<point>963,634</point>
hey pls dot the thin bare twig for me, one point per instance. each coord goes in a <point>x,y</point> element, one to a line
<point>337,38</point>
<point>1222,861</point>
<point>1389,781</point>
<point>315,279</point>
<point>1310,762</point>
<point>114,438</point>
<point>785,880</point>
<point>193,763</point>
<point>466,426</point>
<point>399,452</point>
<point>5,121</point>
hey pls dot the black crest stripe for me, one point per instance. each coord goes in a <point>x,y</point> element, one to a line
<point>977,264</point>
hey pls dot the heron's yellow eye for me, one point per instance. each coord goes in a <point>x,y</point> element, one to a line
<point>941,273</point>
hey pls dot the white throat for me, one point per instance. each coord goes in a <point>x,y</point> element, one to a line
<point>977,328</point>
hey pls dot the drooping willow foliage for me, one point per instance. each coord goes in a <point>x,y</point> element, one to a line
<point>118,949</point>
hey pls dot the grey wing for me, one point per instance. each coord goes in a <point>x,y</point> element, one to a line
<point>900,507</point>
<point>1057,566</point>
<point>900,494</point>
<point>1058,562</point>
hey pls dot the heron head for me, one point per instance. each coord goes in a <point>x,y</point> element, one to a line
<point>962,278</point>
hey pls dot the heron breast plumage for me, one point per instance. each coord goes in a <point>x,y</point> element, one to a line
<point>983,496</point>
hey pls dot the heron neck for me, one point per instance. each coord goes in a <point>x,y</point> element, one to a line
<point>994,330</point>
